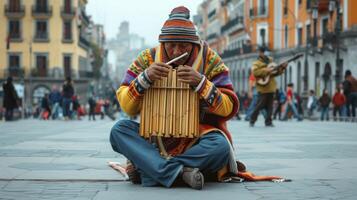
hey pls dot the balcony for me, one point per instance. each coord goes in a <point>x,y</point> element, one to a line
<point>41,12</point>
<point>247,48</point>
<point>14,11</point>
<point>67,12</point>
<point>233,25</point>
<point>39,72</point>
<point>86,74</point>
<point>14,72</point>
<point>85,18</point>
<point>231,53</point>
<point>83,42</point>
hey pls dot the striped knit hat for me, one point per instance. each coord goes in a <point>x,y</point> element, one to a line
<point>179,27</point>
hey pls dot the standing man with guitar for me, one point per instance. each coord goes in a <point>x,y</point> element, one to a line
<point>266,85</point>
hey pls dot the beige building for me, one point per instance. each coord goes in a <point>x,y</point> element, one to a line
<point>43,42</point>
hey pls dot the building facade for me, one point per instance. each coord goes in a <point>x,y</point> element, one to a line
<point>45,41</point>
<point>324,31</point>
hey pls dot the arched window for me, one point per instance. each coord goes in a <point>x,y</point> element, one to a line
<point>327,78</point>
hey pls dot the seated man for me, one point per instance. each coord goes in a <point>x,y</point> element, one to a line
<point>204,71</point>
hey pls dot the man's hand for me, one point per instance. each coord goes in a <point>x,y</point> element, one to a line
<point>269,69</point>
<point>157,70</point>
<point>284,66</point>
<point>188,75</point>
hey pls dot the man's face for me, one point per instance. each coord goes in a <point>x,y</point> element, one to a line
<point>175,49</point>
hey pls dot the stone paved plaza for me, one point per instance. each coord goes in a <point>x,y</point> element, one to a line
<point>68,160</point>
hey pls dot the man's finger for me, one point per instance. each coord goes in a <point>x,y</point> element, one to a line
<point>182,68</point>
<point>183,74</point>
<point>185,80</point>
<point>163,65</point>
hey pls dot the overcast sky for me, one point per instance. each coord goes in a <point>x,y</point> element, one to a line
<point>146,17</point>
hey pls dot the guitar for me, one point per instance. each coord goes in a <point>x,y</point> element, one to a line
<point>276,68</point>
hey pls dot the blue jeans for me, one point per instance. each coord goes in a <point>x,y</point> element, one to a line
<point>291,105</point>
<point>351,104</point>
<point>209,154</point>
<point>66,104</point>
<point>324,111</point>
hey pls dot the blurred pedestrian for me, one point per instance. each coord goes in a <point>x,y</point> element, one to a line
<point>350,92</point>
<point>92,104</point>
<point>290,104</point>
<point>45,107</point>
<point>324,102</point>
<point>10,99</point>
<point>67,94</point>
<point>339,101</point>
<point>75,107</point>
<point>55,98</point>
<point>280,99</point>
<point>311,103</point>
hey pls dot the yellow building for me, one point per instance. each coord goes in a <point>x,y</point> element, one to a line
<point>44,41</point>
<point>51,31</point>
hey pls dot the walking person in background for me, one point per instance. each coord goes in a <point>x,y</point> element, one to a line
<point>339,101</point>
<point>311,103</point>
<point>350,92</point>
<point>324,102</point>
<point>290,103</point>
<point>68,92</point>
<point>55,101</point>
<point>45,108</point>
<point>76,106</point>
<point>280,99</point>
<point>92,103</point>
<point>10,99</point>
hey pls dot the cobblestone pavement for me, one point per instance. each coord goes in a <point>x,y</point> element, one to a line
<point>67,160</point>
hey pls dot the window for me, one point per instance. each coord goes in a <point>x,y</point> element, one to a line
<point>41,5</point>
<point>14,61</point>
<point>41,30</point>
<point>14,5</point>
<point>67,62</point>
<point>67,30</point>
<point>262,34</point>
<point>286,4</point>
<point>263,7</point>
<point>41,65</point>
<point>67,6</point>
<point>14,29</point>
<point>299,36</point>
<point>300,2</point>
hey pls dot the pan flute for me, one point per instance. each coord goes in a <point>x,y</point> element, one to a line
<point>170,109</point>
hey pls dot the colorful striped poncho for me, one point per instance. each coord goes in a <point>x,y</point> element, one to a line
<point>218,102</point>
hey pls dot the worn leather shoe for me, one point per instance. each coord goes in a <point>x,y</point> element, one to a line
<point>193,177</point>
